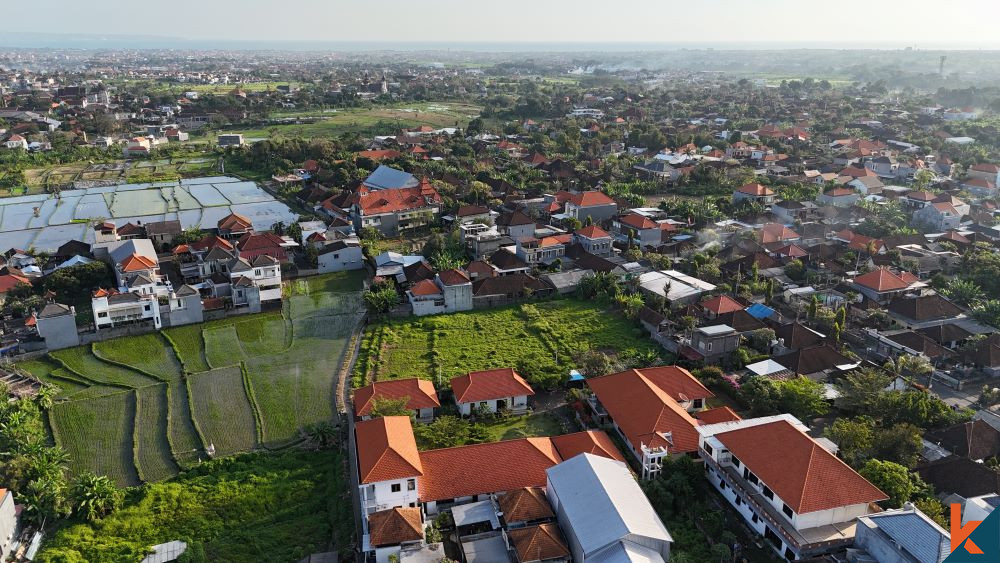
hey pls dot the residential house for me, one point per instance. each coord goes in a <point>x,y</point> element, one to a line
<point>943,213</point>
<point>392,531</point>
<point>818,362</point>
<point>388,178</point>
<point>787,486</point>
<point>866,185</point>
<point>16,142</point>
<point>472,214</point>
<point>711,343</point>
<point>838,197</point>
<point>757,193</point>
<point>112,308</point>
<point>56,324</point>
<point>881,285</point>
<point>234,226</point>
<point>546,250</point>
<point>985,171</point>
<point>163,233</point>
<point>492,390</point>
<point>516,225</point>
<point>339,255</point>
<point>639,229</point>
<point>674,287</point>
<point>506,288</point>
<point>395,210</point>
<point>9,281</point>
<point>594,240</point>
<point>652,409</point>
<point>594,204</point>
<point>255,281</point>
<point>419,394</point>
<point>604,513</point>
<point>923,310</point>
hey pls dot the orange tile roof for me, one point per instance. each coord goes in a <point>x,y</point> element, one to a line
<point>776,232</point>
<point>395,526</point>
<point>637,221</point>
<point>644,412</point>
<point>387,449</point>
<point>882,280</point>
<point>454,277</point>
<point>806,476</point>
<point>722,304</point>
<point>489,384</point>
<point>235,221</point>
<point>539,543</point>
<point>677,382</point>
<point>593,231</point>
<point>595,442</point>
<point>525,504</point>
<point>420,392</point>
<point>10,281</point>
<point>379,155</point>
<point>395,200</point>
<point>755,189</point>
<point>486,468</point>
<point>718,414</point>
<point>590,198</point>
<point>425,287</point>
<point>135,262</point>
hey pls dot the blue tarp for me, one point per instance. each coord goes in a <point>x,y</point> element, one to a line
<point>575,375</point>
<point>760,311</point>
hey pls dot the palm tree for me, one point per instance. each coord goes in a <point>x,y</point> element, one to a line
<point>320,435</point>
<point>911,367</point>
<point>95,496</point>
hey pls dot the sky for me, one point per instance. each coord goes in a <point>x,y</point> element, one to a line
<point>916,23</point>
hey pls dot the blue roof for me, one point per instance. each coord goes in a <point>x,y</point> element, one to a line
<point>575,375</point>
<point>915,534</point>
<point>384,178</point>
<point>760,311</point>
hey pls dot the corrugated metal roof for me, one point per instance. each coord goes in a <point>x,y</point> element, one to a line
<point>916,534</point>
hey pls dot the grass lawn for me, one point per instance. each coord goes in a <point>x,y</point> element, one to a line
<point>525,426</point>
<point>276,507</point>
<point>538,339</point>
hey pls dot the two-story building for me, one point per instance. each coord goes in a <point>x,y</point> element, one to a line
<point>594,204</point>
<point>787,486</point>
<point>395,210</point>
<point>535,252</point>
<point>757,193</point>
<point>594,240</point>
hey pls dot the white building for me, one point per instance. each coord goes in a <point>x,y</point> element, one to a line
<point>8,523</point>
<point>340,255</point>
<point>604,513</point>
<point>493,390</point>
<point>448,292</point>
<point>791,490</point>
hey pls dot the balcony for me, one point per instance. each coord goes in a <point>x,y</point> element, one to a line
<point>805,542</point>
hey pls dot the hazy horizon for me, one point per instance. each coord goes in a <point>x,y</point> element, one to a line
<point>518,23</point>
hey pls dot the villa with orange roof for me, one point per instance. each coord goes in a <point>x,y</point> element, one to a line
<point>654,410</point>
<point>593,204</point>
<point>494,390</point>
<point>448,292</point>
<point>594,240</point>
<point>881,284</point>
<point>394,210</point>
<point>420,397</point>
<point>786,485</point>
<point>755,192</point>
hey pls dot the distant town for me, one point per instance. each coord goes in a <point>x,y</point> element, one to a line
<point>450,306</point>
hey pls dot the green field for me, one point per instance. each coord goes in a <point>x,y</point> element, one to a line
<point>333,123</point>
<point>140,407</point>
<point>276,507</point>
<point>116,171</point>
<point>540,340</point>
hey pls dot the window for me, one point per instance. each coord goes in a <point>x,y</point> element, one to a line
<point>396,487</point>
<point>411,484</point>
<point>754,518</point>
<point>709,346</point>
<point>147,307</point>
<point>103,315</point>
<point>739,501</point>
<point>708,448</point>
<point>736,461</point>
<point>698,403</point>
<point>768,493</point>
<point>787,510</point>
<point>722,485</point>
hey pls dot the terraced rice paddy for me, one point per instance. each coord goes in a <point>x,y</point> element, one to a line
<point>140,408</point>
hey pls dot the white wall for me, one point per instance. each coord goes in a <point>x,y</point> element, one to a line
<point>384,497</point>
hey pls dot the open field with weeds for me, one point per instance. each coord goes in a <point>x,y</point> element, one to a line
<point>140,408</point>
<point>541,340</point>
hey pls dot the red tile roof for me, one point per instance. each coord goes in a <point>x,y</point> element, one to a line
<point>454,277</point>
<point>425,287</point>
<point>645,412</point>
<point>806,476</point>
<point>486,468</point>
<point>718,414</point>
<point>525,504</point>
<point>637,221</point>
<point>539,543</point>
<point>420,392</point>
<point>379,155</point>
<point>387,449</point>
<point>677,382</point>
<point>135,262</point>
<point>590,198</point>
<point>755,190</point>
<point>252,245</point>
<point>235,222</point>
<point>776,232</point>
<point>395,526</point>
<point>592,232</point>
<point>10,281</point>
<point>490,384</point>
<point>722,304</point>
<point>882,280</point>
<point>587,442</point>
<point>397,199</point>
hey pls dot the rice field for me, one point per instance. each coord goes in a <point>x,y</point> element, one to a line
<point>540,340</point>
<point>222,410</point>
<point>140,408</point>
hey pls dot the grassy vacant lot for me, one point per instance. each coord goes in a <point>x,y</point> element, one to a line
<point>141,407</point>
<point>540,340</point>
<point>278,507</point>
<point>333,123</point>
<point>529,425</point>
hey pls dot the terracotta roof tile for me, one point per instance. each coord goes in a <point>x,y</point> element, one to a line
<point>395,526</point>
<point>454,277</point>
<point>387,449</point>
<point>755,190</point>
<point>721,304</point>
<point>525,504</point>
<point>718,414</point>
<point>881,280</point>
<point>590,198</point>
<point>592,232</point>
<point>135,262</point>
<point>486,468</point>
<point>587,442</point>
<point>425,287</point>
<point>489,384</point>
<point>539,543</point>
<point>802,473</point>
<point>420,392</point>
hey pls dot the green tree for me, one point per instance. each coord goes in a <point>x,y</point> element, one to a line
<point>854,437</point>
<point>802,397</point>
<point>387,406</point>
<point>861,390</point>
<point>891,478</point>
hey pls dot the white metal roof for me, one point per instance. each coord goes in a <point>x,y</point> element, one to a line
<point>602,502</point>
